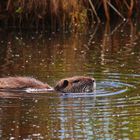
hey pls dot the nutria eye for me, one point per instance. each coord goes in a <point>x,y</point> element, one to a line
<point>76,81</point>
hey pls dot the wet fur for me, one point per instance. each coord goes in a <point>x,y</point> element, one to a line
<point>72,84</point>
<point>21,83</point>
<point>76,84</point>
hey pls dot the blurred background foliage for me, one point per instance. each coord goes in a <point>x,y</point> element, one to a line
<point>64,14</point>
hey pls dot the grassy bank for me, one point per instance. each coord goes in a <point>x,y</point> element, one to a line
<point>64,13</point>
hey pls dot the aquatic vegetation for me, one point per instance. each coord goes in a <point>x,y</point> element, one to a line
<point>64,14</point>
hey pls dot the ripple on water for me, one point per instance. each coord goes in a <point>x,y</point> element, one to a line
<point>104,88</point>
<point>102,118</point>
<point>107,84</point>
<point>65,116</point>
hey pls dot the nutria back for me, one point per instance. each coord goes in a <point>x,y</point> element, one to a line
<point>76,84</point>
<point>21,82</point>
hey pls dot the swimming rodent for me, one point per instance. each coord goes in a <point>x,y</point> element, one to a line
<point>76,84</point>
<point>72,84</point>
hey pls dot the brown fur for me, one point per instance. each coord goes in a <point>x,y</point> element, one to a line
<point>21,82</point>
<point>76,84</point>
<point>73,84</point>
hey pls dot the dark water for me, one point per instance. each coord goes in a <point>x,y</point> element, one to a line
<point>110,54</point>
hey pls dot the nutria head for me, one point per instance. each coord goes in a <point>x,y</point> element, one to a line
<point>76,84</point>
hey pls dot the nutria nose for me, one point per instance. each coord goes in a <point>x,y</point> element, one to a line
<point>93,80</point>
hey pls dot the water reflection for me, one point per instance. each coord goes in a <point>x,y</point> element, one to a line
<point>56,54</point>
<point>111,54</point>
<point>28,118</point>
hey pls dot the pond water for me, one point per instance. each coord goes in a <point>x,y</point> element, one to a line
<point>111,54</point>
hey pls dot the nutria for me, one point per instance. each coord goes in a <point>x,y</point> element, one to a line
<point>76,84</point>
<point>22,83</point>
<point>72,84</point>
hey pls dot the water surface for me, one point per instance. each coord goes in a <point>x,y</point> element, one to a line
<point>111,54</point>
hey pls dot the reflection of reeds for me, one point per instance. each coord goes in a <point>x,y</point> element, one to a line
<point>57,55</point>
<point>64,13</point>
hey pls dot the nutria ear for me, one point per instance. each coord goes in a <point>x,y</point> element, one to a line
<point>62,85</point>
<point>65,83</point>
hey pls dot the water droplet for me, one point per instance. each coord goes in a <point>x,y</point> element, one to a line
<point>12,138</point>
<point>35,135</point>
<point>32,37</point>
<point>36,101</point>
<point>9,43</point>
<point>75,49</point>
<point>35,117</point>
<point>122,65</point>
<point>17,38</point>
